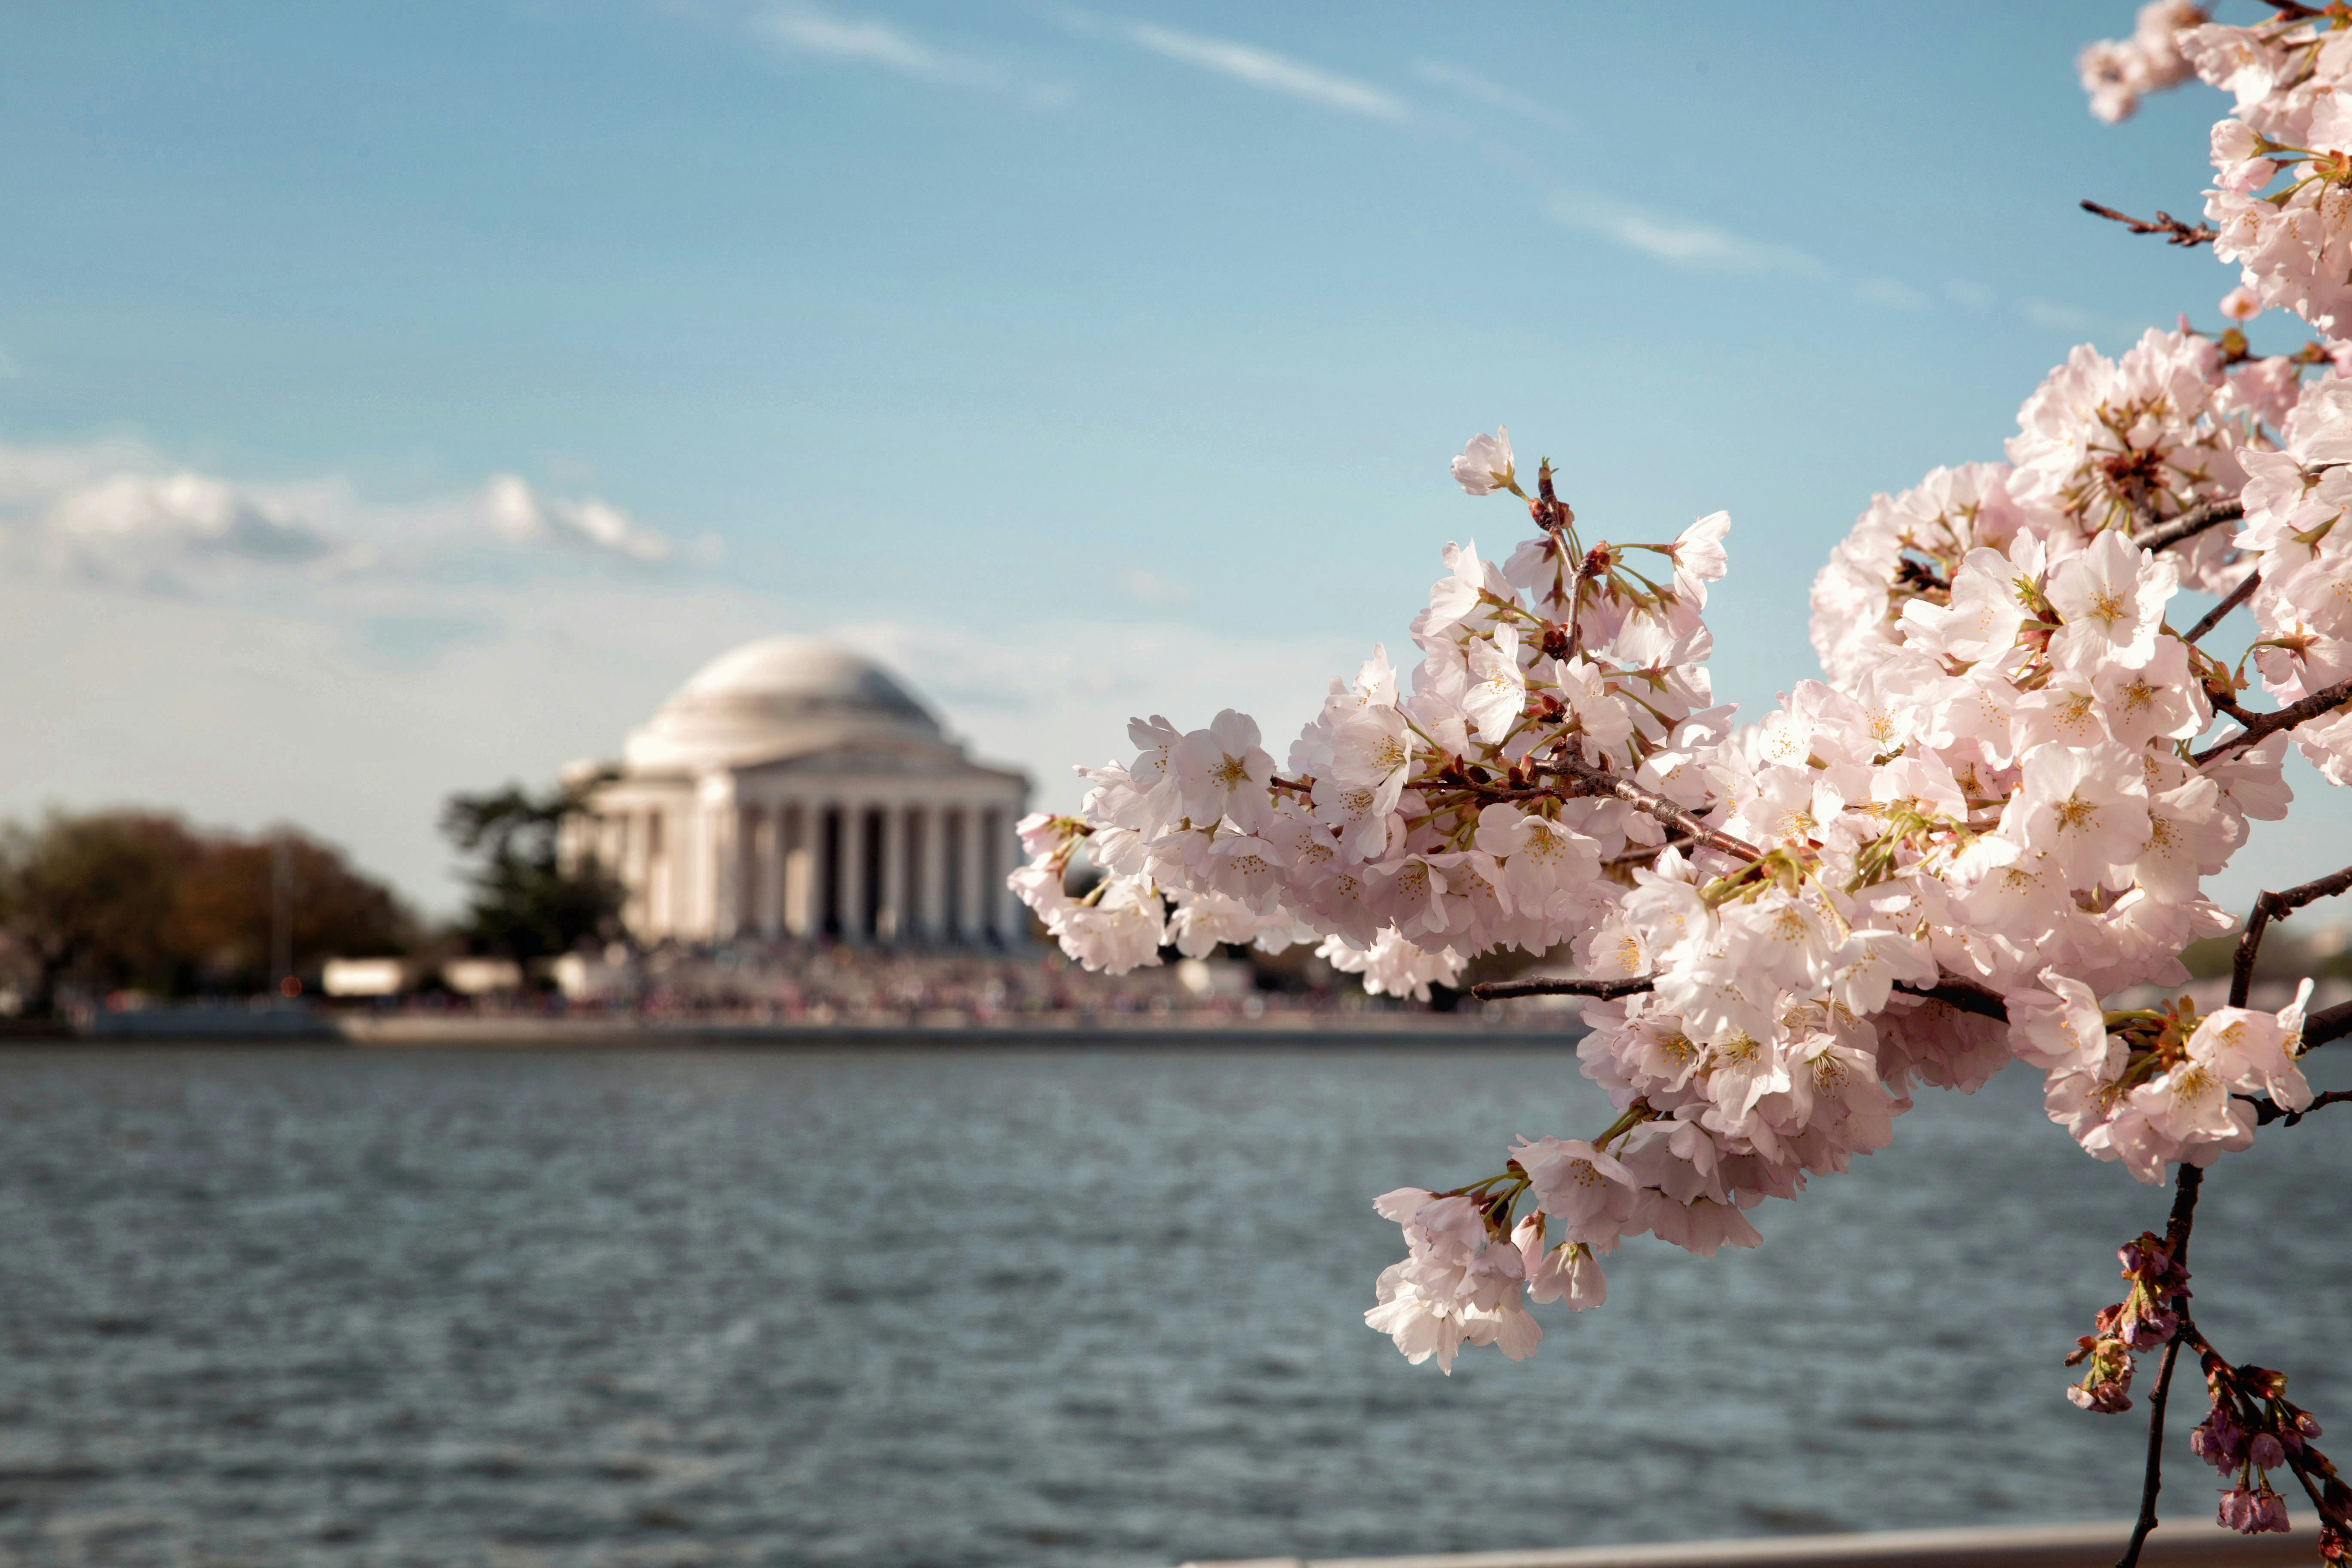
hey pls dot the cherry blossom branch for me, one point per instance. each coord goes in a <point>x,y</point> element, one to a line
<point>2329,1023</point>
<point>2238,595</point>
<point>2174,232</point>
<point>1600,781</point>
<point>1606,990</point>
<point>1964,995</point>
<point>2267,1110</point>
<point>2190,523</point>
<point>2176,1243</point>
<point>2268,906</point>
<point>2224,705</point>
<point>2321,701</point>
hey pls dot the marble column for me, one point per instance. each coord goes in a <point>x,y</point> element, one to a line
<point>850,909</point>
<point>891,922</point>
<point>971,897</point>
<point>800,829</point>
<point>660,899</point>
<point>759,880</point>
<point>931,874</point>
<point>715,918</point>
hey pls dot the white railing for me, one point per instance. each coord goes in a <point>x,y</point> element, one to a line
<point>2178,1543</point>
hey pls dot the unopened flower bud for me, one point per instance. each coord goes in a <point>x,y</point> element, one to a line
<point>2219,1441</point>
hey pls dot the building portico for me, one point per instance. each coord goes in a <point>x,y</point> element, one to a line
<point>791,790</point>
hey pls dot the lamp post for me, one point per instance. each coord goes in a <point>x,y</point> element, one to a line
<point>281,918</point>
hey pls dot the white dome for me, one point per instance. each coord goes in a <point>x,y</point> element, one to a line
<point>777,698</point>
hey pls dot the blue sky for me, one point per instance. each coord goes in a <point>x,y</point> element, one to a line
<point>512,361</point>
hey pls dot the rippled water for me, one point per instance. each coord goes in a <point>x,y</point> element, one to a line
<point>1002,1307</point>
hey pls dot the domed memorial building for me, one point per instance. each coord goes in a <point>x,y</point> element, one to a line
<point>793,790</point>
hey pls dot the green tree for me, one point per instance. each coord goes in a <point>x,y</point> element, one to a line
<point>88,900</point>
<point>223,914</point>
<point>107,900</point>
<point>528,903</point>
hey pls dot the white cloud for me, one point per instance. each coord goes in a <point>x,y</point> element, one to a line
<point>120,513</point>
<point>187,511</point>
<point>866,40</point>
<point>812,32</point>
<point>1975,296</point>
<point>355,704</point>
<point>1678,242</point>
<point>1463,79</point>
<point>1270,72</point>
<point>522,514</point>
<point>2049,313</point>
<point>429,652</point>
<point>1888,292</point>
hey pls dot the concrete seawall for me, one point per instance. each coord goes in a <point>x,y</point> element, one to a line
<point>2195,1542</point>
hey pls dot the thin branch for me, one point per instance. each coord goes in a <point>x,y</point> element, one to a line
<point>2223,704</point>
<point>1643,854</point>
<point>2327,1024</point>
<point>2321,701</point>
<point>2176,1243</point>
<point>2238,595</point>
<point>2332,885</point>
<point>2250,944</point>
<point>2268,906</point>
<point>1912,573</point>
<point>1600,781</point>
<point>2267,1110</point>
<point>1607,990</point>
<point>2174,232</point>
<point>2190,523</point>
<point>1965,996</point>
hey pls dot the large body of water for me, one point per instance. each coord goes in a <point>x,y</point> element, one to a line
<point>1001,1307</point>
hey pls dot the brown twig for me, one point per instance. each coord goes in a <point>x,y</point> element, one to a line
<point>2287,718</point>
<point>2238,595</point>
<point>2268,1111</point>
<point>1600,781</point>
<point>2190,523</point>
<point>2327,1024</point>
<point>2223,704</point>
<point>2174,232</point>
<point>1606,990</point>
<point>2176,1243</point>
<point>1965,995</point>
<point>2268,906</point>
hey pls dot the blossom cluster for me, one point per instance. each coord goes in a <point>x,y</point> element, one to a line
<point>2001,806</point>
<point>2145,1319</point>
<point>2102,445</point>
<point>2281,197</point>
<point>2303,603</point>
<point>2118,72</point>
<point>1998,801</point>
<point>2253,1430</point>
